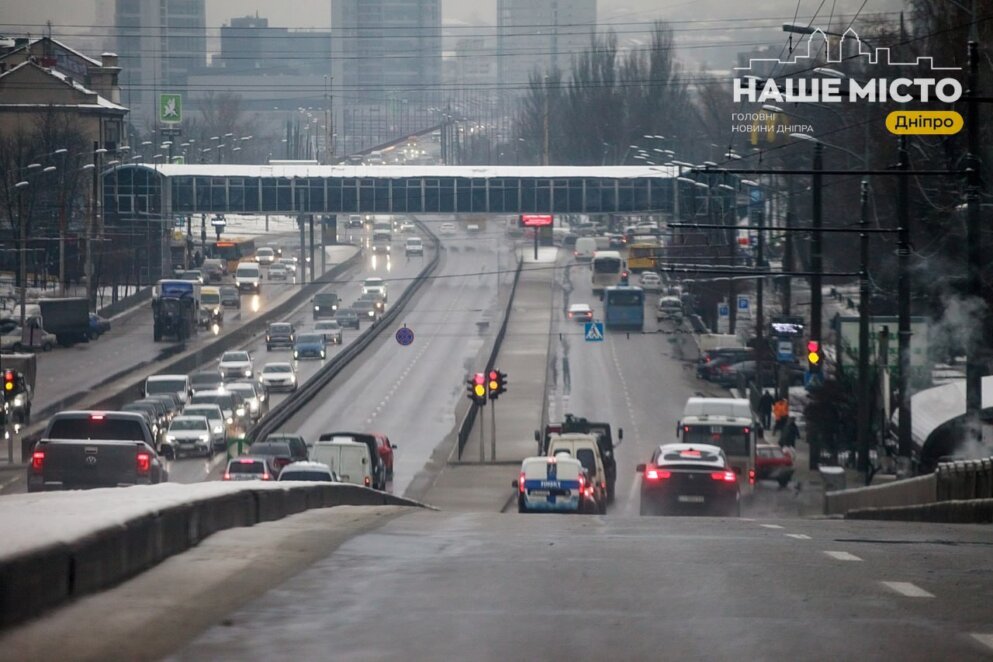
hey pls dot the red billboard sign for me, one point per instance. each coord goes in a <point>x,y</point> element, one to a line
<point>536,220</point>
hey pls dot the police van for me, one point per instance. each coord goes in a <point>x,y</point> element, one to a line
<point>556,484</point>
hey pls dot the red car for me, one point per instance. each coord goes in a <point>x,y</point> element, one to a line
<point>386,452</point>
<point>773,463</point>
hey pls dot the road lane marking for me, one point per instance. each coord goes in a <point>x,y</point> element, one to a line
<point>798,536</point>
<point>907,589</point>
<point>984,639</point>
<point>843,556</point>
<point>770,526</point>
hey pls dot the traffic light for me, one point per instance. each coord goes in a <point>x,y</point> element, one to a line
<point>814,355</point>
<point>624,278</point>
<point>476,387</point>
<point>9,381</point>
<point>496,383</point>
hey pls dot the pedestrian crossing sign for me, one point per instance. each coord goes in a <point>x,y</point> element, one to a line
<point>594,332</point>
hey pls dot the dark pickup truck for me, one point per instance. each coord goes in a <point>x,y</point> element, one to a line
<point>605,441</point>
<point>88,449</point>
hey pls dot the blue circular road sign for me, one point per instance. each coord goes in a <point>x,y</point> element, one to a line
<point>405,336</point>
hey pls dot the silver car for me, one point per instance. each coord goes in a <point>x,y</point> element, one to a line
<point>189,434</point>
<point>331,330</point>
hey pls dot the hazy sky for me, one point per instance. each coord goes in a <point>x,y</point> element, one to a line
<point>699,40</point>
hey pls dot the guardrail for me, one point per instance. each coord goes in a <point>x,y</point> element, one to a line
<point>469,419</point>
<point>200,356</point>
<point>286,409</point>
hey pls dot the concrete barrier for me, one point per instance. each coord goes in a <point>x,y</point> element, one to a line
<point>972,511</point>
<point>47,575</point>
<point>922,489</point>
<point>965,479</point>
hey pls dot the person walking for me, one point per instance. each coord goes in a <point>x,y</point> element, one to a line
<point>781,410</point>
<point>765,409</point>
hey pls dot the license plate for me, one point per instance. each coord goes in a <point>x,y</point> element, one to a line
<point>685,498</point>
<point>538,493</point>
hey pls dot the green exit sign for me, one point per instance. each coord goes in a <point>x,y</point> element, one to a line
<point>170,108</point>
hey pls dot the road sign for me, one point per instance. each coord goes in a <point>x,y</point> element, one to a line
<point>594,332</point>
<point>813,379</point>
<point>784,351</point>
<point>742,303</point>
<point>170,108</point>
<point>723,318</point>
<point>405,336</point>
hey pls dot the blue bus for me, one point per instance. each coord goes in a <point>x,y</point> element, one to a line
<point>623,307</point>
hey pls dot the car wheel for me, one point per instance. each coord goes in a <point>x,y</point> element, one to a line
<point>18,347</point>
<point>92,335</point>
<point>47,347</point>
<point>602,506</point>
<point>521,508</point>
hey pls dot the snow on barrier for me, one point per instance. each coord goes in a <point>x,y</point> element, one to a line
<point>63,545</point>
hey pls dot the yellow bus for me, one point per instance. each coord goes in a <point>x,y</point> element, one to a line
<point>233,251</point>
<point>642,257</point>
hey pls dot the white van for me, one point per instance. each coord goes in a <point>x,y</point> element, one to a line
<point>248,277</point>
<point>584,448</point>
<point>349,459</point>
<point>585,248</point>
<point>552,484</point>
<point>163,384</point>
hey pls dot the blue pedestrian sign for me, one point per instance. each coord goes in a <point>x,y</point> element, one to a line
<point>784,351</point>
<point>723,310</point>
<point>405,336</point>
<point>812,379</point>
<point>594,332</point>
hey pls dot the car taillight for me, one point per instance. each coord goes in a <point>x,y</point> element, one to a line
<point>520,483</point>
<point>582,484</point>
<point>751,476</point>
<point>266,476</point>
<point>657,474</point>
<point>570,315</point>
<point>37,461</point>
<point>282,461</point>
<point>144,463</point>
<point>725,476</point>
<point>227,475</point>
<point>367,481</point>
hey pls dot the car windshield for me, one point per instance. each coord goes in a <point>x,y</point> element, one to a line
<point>229,292</point>
<point>309,338</point>
<point>224,400</point>
<point>234,357</point>
<point>346,312</point>
<point>277,368</point>
<point>188,424</point>
<point>205,379</point>
<point>268,448</point>
<point>206,412</point>
<point>327,326</point>
<point>161,386</point>
<point>246,467</point>
<point>210,297</point>
<point>320,476</point>
<point>280,328</point>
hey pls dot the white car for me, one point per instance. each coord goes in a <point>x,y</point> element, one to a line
<point>278,377</point>
<point>472,228</point>
<point>669,308</point>
<point>236,365</point>
<point>308,471</point>
<point>377,285</point>
<point>651,281</point>
<point>407,226</point>
<point>279,271</point>
<point>12,337</point>
<point>215,417</point>
<point>265,255</point>
<point>189,434</point>
<point>331,330</point>
<point>580,312</point>
<point>447,228</point>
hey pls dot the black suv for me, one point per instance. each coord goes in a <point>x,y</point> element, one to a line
<point>325,305</point>
<point>279,334</point>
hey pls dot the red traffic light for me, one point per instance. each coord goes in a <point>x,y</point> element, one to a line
<point>813,352</point>
<point>813,346</point>
<point>8,380</point>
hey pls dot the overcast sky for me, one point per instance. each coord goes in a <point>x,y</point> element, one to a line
<point>735,30</point>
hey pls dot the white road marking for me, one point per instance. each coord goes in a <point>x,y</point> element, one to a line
<point>798,536</point>
<point>747,519</point>
<point>843,556</point>
<point>984,639</point>
<point>907,589</point>
<point>770,526</point>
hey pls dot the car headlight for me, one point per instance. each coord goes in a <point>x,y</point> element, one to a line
<point>254,404</point>
<point>240,411</point>
<point>296,355</point>
<point>170,438</point>
<point>248,372</point>
<point>334,307</point>
<point>371,313</point>
<point>204,437</point>
<point>317,307</point>
<point>218,429</point>
<point>293,379</point>
<point>19,400</point>
<point>229,420</point>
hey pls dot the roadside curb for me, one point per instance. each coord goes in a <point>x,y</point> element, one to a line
<point>973,511</point>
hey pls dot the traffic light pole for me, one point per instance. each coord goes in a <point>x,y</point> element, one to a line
<point>903,306</point>
<point>862,433</point>
<point>482,442</point>
<point>493,431</point>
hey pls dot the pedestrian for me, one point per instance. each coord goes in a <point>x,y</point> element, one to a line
<point>765,409</point>
<point>781,410</point>
<point>790,432</point>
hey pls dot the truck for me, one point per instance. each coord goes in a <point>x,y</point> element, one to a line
<point>90,449</point>
<point>605,441</point>
<point>68,318</point>
<point>16,403</point>
<point>175,309</point>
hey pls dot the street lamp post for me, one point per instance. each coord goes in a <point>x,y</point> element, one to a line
<point>864,392</point>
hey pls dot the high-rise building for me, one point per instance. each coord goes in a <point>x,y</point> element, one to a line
<point>386,58</point>
<point>538,37</point>
<point>160,43</point>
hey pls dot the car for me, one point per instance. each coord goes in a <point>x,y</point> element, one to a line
<point>407,226</point>
<point>236,415</point>
<point>354,221</point>
<point>98,326</point>
<point>773,463</point>
<point>691,479</point>
<point>189,434</point>
<point>236,365</point>
<point>214,270</point>
<point>12,337</point>
<point>367,309</point>
<point>150,414</point>
<point>160,409</point>
<point>650,281</point>
<point>278,377</point>
<point>251,468</point>
<point>554,484</point>
<point>347,318</point>
<point>253,395</point>
<point>279,271</point>
<point>375,284</point>
<point>178,384</point>
<point>279,334</point>
<point>378,301</point>
<point>265,255</point>
<point>331,330</point>
<point>580,312</point>
<point>472,228</point>
<point>728,373</point>
<point>706,361</point>
<point>669,308</point>
<point>248,277</point>
<point>325,304</point>
<point>194,275</point>
<point>447,228</point>
<point>386,449</point>
<point>310,345</point>
<point>206,380</point>
<point>413,246</point>
<point>308,471</point>
<point>616,241</point>
<point>215,416</point>
<point>299,451</point>
<point>350,459</point>
<point>230,297</point>
<point>279,451</point>
<point>171,401</point>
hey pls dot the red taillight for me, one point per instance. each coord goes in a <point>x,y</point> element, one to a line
<point>751,476</point>
<point>227,476</point>
<point>37,461</point>
<point>726,476</point>
<point>267,476</point>
<point>367,481</point>
<point>570,315</point>
<point>144,463</point>
<point>582,484</point>
<point>246,461</point>
<point>657,474</point>
<point>96,417</point>
<point>520,483</point>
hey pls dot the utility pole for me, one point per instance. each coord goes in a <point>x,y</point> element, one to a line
<point>974,242</point>
<point>91,226</point>
<point>544,150</point>
<point>903,305</point>
<point>864,392</point>
<point>816,255</point>
<point>788,248</point>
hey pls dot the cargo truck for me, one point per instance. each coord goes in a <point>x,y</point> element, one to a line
<point>68,319</point>
<point>175,309</point>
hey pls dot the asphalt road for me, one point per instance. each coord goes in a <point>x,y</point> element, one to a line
<point>477,586</point>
